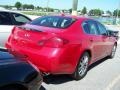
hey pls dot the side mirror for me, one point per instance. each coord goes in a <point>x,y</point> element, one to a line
<point>105,34</point>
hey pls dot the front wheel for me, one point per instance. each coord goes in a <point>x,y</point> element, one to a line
<point>82,67</point>
<point>113,51</point>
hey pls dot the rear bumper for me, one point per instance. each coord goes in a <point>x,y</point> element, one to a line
<point>48,60</point>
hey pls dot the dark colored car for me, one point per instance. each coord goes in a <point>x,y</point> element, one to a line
<point>17,74</point>
<point>63,44</point>
<point>114,33</point>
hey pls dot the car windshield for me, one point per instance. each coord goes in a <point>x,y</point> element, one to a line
<point>53,21</point>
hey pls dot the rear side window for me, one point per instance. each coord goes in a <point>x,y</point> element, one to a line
<point>5,18</point>
<point>102,29</point>
<point>53,21</point>
<point>90,27</point>
<point>86,27</point>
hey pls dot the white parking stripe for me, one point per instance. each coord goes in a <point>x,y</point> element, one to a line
<point>113,83</point>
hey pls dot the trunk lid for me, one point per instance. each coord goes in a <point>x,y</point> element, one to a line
<point>30,35</point>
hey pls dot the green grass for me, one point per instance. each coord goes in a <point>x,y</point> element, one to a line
<point>36,13</point>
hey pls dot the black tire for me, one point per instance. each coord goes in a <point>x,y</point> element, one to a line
<point>82,67</point>
<point>113,51</point>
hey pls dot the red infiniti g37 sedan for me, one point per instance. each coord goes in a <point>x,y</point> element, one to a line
<point>62,44</point>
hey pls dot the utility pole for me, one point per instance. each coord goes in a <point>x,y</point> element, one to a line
<point>117,18</point>
<point>47,6</point>
<point>74,8</point>
<point>118,10</point>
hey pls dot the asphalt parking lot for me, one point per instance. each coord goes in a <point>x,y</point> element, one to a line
<point>103,75</point>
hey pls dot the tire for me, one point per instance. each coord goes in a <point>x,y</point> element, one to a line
<point>82,67</point>
<point>113,51</point>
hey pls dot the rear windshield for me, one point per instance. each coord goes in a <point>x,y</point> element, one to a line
<point>53,21</point>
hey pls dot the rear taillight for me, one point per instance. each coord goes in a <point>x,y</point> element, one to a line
<point>54,42</point>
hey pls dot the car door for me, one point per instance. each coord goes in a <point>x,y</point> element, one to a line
<point>95,41</point>
<point>107,42</point>
<point>6,26</point>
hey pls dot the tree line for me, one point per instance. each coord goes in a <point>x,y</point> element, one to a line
<point>92,12</point>
<point>98,12</point>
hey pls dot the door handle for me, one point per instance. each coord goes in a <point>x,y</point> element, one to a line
<point>91,39</point>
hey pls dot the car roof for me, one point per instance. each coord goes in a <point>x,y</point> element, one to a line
<point>10,11</point>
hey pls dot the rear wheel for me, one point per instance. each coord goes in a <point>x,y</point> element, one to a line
<point>113,51</point>
<point>82,67</point>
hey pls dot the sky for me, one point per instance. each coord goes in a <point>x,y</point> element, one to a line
<point>67,4</point>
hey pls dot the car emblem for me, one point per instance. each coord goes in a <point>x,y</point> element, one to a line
<point>27,35</point>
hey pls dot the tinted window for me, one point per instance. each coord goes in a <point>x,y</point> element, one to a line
<point>90,27</point>
<point>20,19</point>
<point>93,28</point>
<point>53,21</point>
<point>102,29</point>
<point>5,18</point>
<point>86,27</point>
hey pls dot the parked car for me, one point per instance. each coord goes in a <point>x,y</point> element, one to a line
<point>62,44</point>
<point>7,21</point>
<point>114,33</point>
<point>17,74</point>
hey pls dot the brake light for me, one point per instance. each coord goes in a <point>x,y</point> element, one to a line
<point>54,42</point>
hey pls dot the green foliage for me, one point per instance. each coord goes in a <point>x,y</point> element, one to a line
<point>38,8</point>
<point>95,12</point>
<point>7,7</point>
<point>70,10</point>
<point>18,5</point>
<point>84,10</point>
<point>116,12</point>
<point>109,12</point>
<point>34,13</point>
<point>49,9</point>
<point>28,6</point>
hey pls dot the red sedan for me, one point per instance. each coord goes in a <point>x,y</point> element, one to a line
<point>62,44</point>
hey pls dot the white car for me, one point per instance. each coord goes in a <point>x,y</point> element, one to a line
<point>8,20</point>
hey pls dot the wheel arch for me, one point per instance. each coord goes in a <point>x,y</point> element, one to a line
<point>115,43</point>
<point>86,50</point>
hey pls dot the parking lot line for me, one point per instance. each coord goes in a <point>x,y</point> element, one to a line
<point>113,83</point>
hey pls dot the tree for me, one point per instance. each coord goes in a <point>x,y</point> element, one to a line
<point>18,5</point>
<point>28,6</point>
<point>84,10</point>
<point>70,10</point>
<point>91,12</point>
<point>31,6</point>
<point>96,12</point>
<point>116,12</point>
<point>24,6</point>
<point>109,12</point>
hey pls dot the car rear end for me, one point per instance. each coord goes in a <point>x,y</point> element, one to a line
<point>43,44</point>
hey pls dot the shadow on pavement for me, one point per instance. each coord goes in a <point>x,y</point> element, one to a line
<point>57,79</point>
<point>60,79</point>
<point>42,88</point>
<point>97,63</point>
